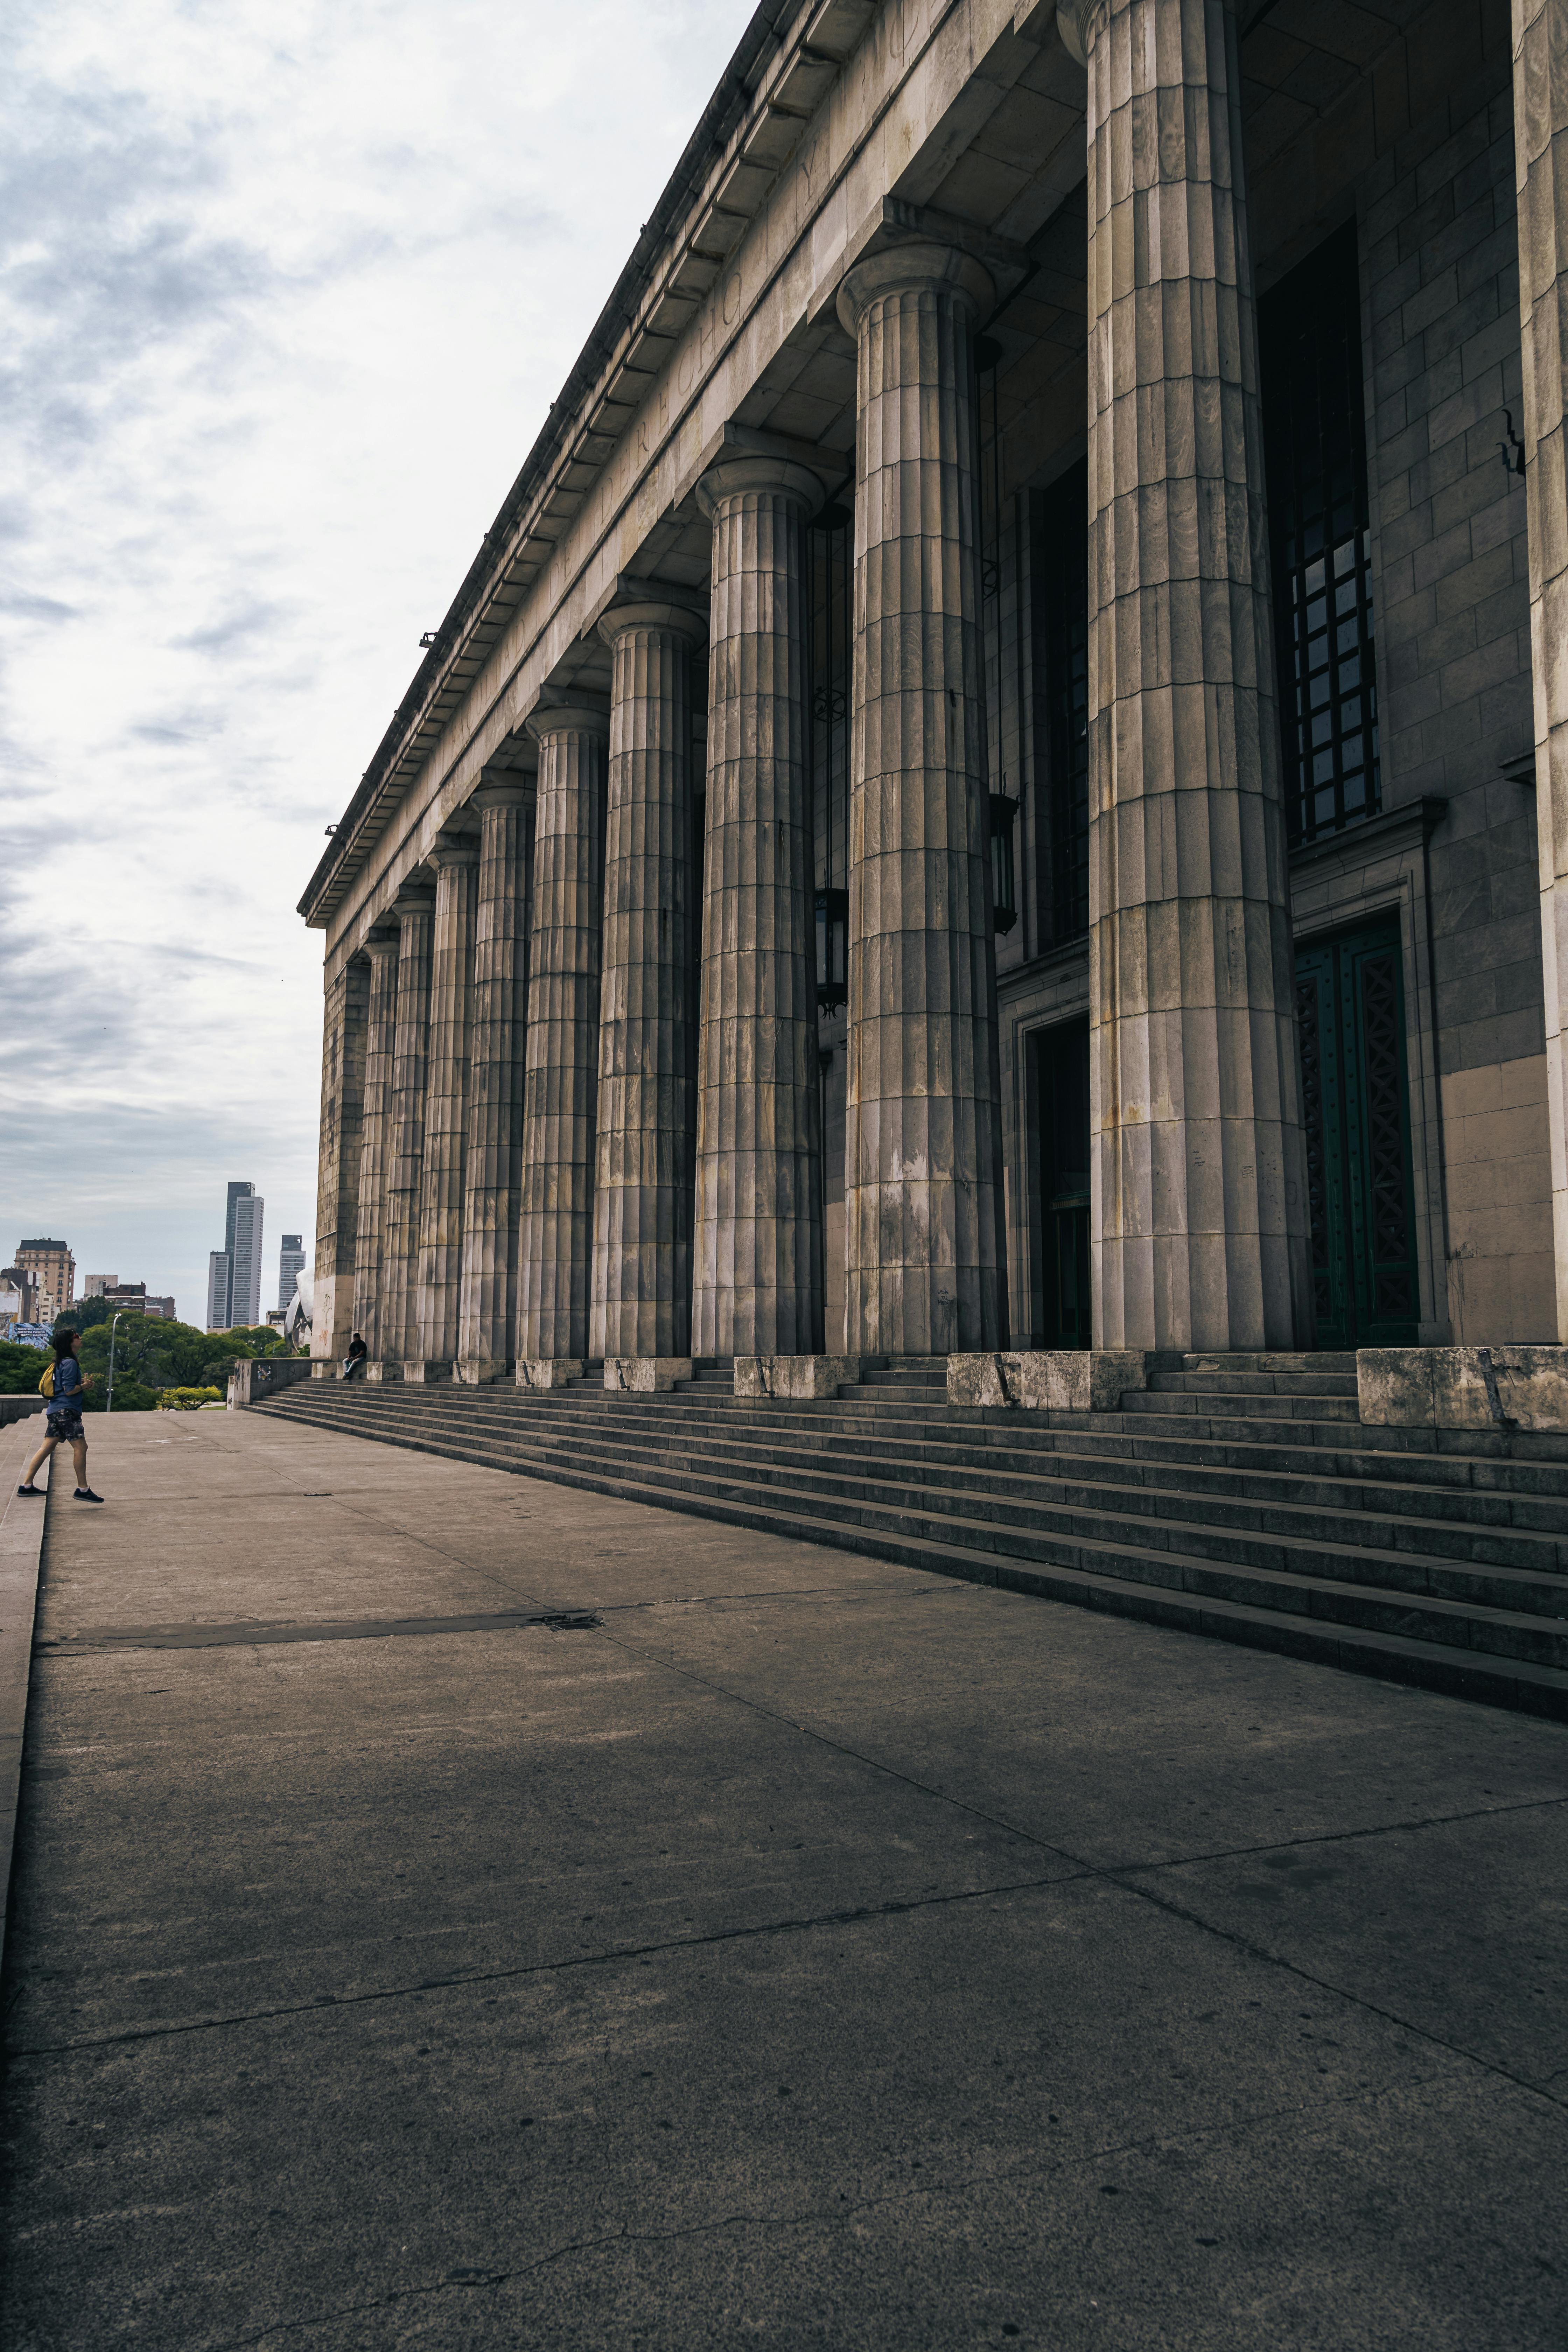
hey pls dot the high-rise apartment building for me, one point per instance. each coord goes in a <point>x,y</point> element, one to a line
<point>219,1264</point>
<point>234,1277</point>
<point>53,1270</point>
<point>290,1259</point>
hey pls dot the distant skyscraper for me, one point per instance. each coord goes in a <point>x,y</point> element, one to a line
<point>290,1258</point>
<point>218,1267</point>
<point>234,1274</point>
<point>53,1270</point>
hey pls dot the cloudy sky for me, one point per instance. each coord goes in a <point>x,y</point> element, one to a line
<point>287,289</point>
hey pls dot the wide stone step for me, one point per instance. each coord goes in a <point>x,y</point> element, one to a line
<point>1162,1585</point>
<point>1259,1512</point>
<point>1265,1403</point>
<point>1251,1384</point>
<point>1499,1492</point>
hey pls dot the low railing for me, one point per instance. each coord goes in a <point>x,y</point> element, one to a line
<point>262,1376</point>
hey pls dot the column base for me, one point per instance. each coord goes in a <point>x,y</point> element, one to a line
<point>428,1373</point>
<point>480,1372</point>
<point>547,1371</point>
<point>1463,1387</point>
<point>645,1375</point>
<point>384,1368</point>
<point>808,1377</point>
<point>1048,1380</point>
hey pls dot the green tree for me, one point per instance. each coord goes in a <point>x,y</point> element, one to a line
<point>21,1369</point>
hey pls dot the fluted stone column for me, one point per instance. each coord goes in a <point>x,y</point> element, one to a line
<point>343,1040</point>
<point>415,909</point>
<point>757,1278</point>
<point>923,1260</point>
<point>488,1304</point>
<point>440,1261</point>
<point>1540,153</point>
<point>1198,1212</point>
<point>560,1055</point>
<point>380,1029</point>
<point>646,1112</point>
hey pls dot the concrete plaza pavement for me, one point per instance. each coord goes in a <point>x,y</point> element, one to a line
<point>800,1950</point>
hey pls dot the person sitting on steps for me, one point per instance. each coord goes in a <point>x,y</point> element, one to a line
<point>62,1420</point>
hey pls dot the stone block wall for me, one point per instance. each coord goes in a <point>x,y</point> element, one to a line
<point>1439,267</point>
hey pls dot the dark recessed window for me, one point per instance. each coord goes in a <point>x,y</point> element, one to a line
<point>1315,439</point>
<point>1061,604</point>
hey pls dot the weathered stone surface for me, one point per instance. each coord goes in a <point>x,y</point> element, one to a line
<point>382,1369</point>
<point>415,908</point>
<point>757,1273</point>
<point>263,1376</point>
<point>646,1375</point>
<point>487,1308</point>
<point>426,1371</point>
<point>548,1372</point>
<point>923,1266</point>
<point>641,1298</point>
<point>441,1175</point>
<point>1541,163</point>
<point>1197,1182</point>
<point>344,1037</point>
<point>809,1377</point>
<point>1048,1380</point>
<point>1463,1387</point>
<point>380,949</point>
<point>561,1052</point>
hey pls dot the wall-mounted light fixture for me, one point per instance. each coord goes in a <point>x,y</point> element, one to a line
<point>429,638</point>
<point>1004,886</point>
<point>832,948</point>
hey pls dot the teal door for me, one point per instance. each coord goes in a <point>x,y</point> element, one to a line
<point>1061,1083</point>
<point>1350,994</point>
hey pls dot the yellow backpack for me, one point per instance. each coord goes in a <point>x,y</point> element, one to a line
<point>46,1385</point>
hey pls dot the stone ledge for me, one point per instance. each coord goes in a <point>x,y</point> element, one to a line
<point>19,1408</point>
<point>1463,1387</point>
<point>384,1369</point>
<point>547,1371</point>
<point>804,1377</point>
<point>433,1371</point>
<point>480,1372</point>
<point>1048,1380</point>
<point>645,1375</point>
<point>262,1376</point>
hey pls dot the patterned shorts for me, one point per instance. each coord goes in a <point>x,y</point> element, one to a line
<point>65,1425</point>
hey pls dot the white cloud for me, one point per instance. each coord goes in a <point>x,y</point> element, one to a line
<point>285,293</point>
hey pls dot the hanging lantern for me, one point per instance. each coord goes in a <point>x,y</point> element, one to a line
<point>832,948</point>
<point>1003,887</point>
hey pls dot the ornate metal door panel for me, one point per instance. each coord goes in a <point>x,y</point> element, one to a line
<point>1350,995</point>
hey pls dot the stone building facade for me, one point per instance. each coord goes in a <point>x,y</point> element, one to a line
<point>1001,776</point>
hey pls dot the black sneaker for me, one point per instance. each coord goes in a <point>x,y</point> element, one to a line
<point>85,1495</point>
<point>30,1490</point>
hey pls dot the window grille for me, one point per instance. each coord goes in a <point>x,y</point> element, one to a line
<point>1315,441</point>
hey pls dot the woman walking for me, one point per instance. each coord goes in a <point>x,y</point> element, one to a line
<point>62,1420</point>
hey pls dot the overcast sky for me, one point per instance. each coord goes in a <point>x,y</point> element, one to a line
<point>288,288</point>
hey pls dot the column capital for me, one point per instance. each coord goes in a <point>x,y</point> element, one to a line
<point>499,793</point>
<point>575,714</point>
<point>1076,22</point>
<point>656,604</point>
<point>413,898</point>
<point>380,940</point>
<point>913,268</point>
<point>454,849</point>
<point>780,476</point>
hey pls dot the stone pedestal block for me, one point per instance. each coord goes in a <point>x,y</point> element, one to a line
<point>415,912</point>
<point>1198,1206</point>
<point>380,1044</point>
<point>561,1056</point>
<point>426,1371</point>
<point>1048,1380</point>
<point>383,1370</point>
<point>646,1375</point>
<point>641,1303</point>
<point>548,1372</point>
<point>757,1275</point>
<point>480,1372</point>
<point>796,1378</point>
<point>922,1247</point>
<point>1541,166</point>
<point>1463,1387</point>
<point>487,1306</point>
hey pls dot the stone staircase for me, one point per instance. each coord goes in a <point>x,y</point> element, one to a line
<point>1238,1496</point>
